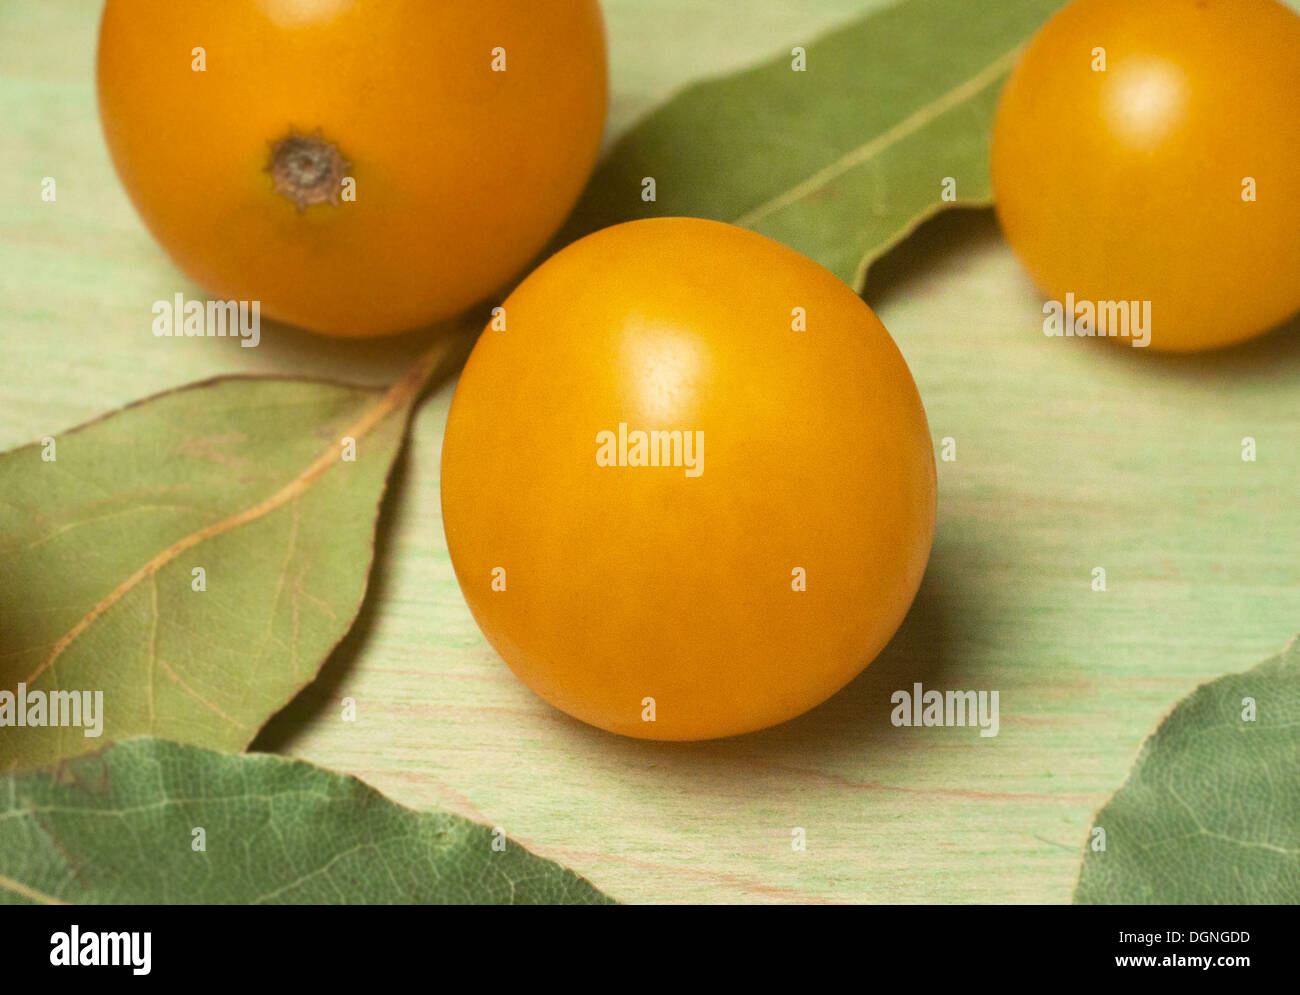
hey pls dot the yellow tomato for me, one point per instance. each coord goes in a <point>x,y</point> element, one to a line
<point>687,481</point>
<point>359,166</point>
<point>1148,152</point>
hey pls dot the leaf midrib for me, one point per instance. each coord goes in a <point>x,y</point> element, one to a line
<point>396,398</point>
<point>874,147</point>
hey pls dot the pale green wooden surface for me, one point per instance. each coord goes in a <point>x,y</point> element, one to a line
<point>1069,457</point>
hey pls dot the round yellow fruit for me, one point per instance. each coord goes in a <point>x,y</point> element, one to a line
<point>1147,152</point>
<point>687,482</point>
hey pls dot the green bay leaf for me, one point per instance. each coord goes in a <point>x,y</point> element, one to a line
<point>1210,813</point>
<point>100,547</point>
<point>118,827</point>
<point>843,159</point>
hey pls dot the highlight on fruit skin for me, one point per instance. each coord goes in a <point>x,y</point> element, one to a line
<point>690,492</point>
<point>358,168</point>
<point>1144,155</point>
